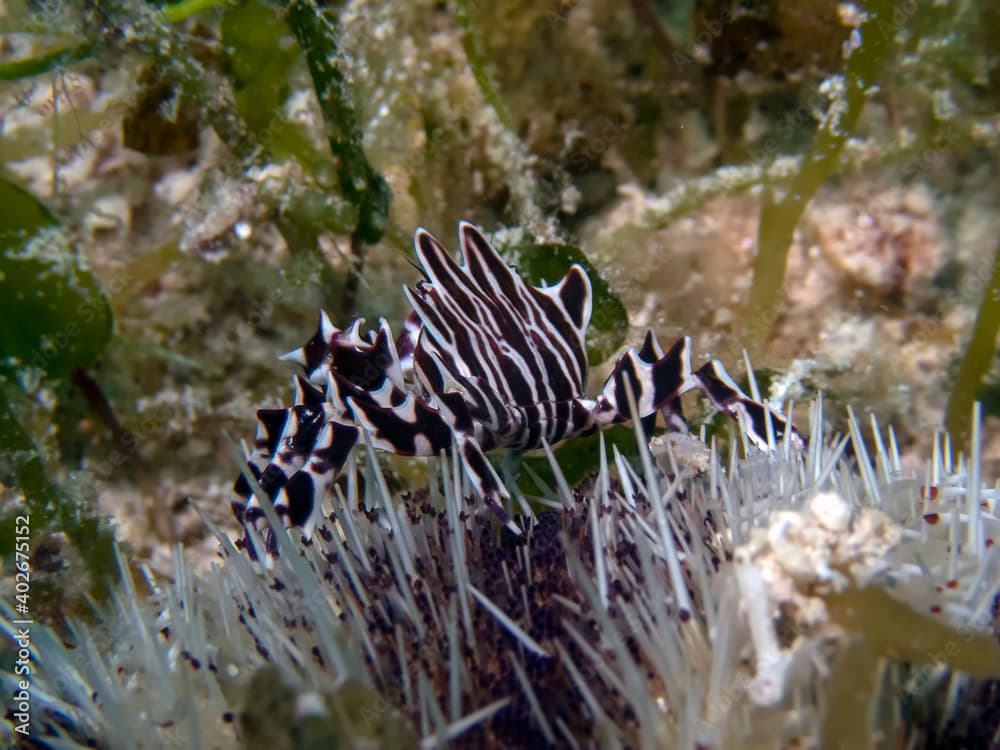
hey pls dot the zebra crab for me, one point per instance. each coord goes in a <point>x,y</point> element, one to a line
<point>485,361</point>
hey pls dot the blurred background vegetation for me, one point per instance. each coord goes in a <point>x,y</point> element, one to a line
<point>184,185</point>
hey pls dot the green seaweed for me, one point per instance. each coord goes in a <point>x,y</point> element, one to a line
<point>317,33</point>
<point>782,210</point>
<point>63,318</point>
<point>547,263</point>
<point>975,362</point>
<point>883,628</point>
<point>49,505</point>
<point>360,183</point>
<point>47,63</point>
<point>186,8</point>
<point>63,323</point>
<point>258,63</point>
<point>473,53</point>
<point>63,57</point>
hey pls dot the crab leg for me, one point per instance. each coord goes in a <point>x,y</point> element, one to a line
<point>304,461</point>
<point>658,380</point>
<point>655,383</point>
<point>750,415</point>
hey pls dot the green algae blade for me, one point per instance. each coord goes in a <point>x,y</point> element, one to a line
<point>609,320</point>
<point>55,316</point>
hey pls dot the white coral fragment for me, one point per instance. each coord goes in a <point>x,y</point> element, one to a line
<point>785,568</point>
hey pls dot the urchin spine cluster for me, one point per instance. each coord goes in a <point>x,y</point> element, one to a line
<point>644,609</point>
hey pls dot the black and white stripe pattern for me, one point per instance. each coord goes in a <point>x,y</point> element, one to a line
<point>485,361</point>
